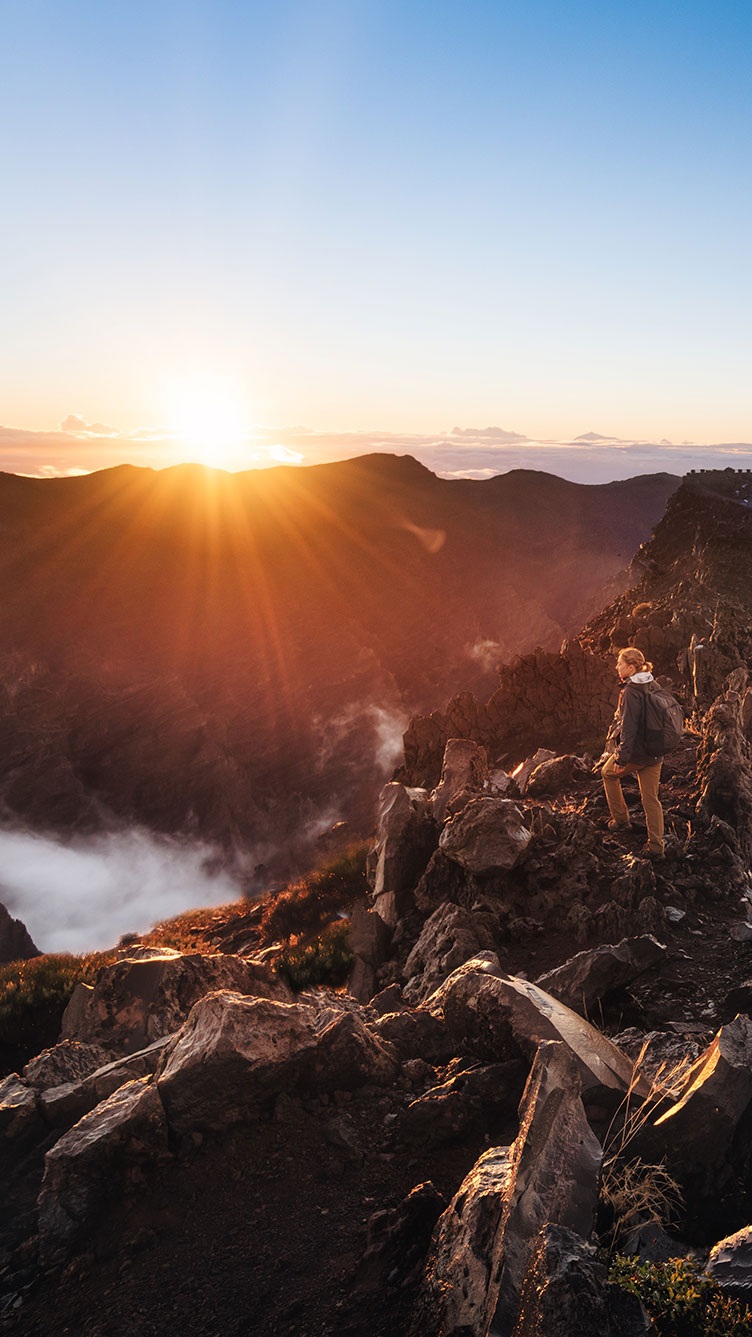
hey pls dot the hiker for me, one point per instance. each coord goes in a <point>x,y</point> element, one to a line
<point>629,757</point>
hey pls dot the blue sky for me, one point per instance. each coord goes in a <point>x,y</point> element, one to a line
<point>379,216</point>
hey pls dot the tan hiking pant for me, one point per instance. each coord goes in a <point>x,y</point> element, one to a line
<point>648,778</point>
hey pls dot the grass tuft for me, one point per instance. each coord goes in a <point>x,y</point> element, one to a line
<point>306,907</point>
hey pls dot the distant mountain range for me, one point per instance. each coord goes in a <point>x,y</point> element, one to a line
<point>212,653</point>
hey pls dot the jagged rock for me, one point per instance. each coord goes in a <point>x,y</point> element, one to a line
<point>590,976</point>
<point>450,936</point>
<point>235,1053</point>
<point>405,840</point>
<point>565,1293</point>
<point>443,880</point>
<point>464,771</point>
<point>15,940</point>
<point>550,1174</point>
<point>555,774</point>
<point>415,1035</point>
<point>397,1238</point>
<point>466,1101</point>
<point>523,772</point>
<point>20,1121</point>
<point>730,1264</point>
<point>556,1160</point>
<point>387,1000</point>
<point>140,999</point>
<point>68,1061</point>
<point>487,836</point>
<point>369,941</point>
<point>85,1165</point>
<point>724,763</point>
<point>696,1134</point>
<point>63,1105</point>
<point>461,1282</point>
<point>738,999</point>
<point>498,1016</point>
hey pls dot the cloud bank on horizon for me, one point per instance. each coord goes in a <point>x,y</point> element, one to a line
<point>78,447</point>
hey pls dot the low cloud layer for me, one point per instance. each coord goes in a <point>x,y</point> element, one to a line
<point>83,897</point>
<point>463,452</point>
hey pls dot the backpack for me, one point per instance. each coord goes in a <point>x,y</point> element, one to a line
<point>662,724</point>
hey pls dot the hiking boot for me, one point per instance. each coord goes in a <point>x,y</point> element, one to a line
<point>655,855</point>
<point>613,825</point>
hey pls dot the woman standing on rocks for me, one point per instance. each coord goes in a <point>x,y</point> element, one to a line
<point>629,757</point>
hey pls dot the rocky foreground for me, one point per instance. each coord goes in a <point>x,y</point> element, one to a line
<point>543,1056</point>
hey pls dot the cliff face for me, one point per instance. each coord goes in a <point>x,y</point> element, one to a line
<point>216,653</point>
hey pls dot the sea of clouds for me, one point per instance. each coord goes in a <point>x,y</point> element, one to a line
<point>82,896</point>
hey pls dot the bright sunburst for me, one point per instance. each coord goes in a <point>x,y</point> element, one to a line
<point>211,420</point>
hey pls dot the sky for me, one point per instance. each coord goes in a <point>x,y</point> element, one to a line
<point>283,233</point>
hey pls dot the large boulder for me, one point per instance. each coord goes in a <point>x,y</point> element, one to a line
<point>556,1161</point>
<point>696,1135</point>
<point>590,976</point>
<point>235,1053</point>
<point>449,937</point>
<point>150,992</point>
<point>406,837</point>
<point>565,1293</point>
<point>15,940</point>
<point>498,1016</point>
<point>461,1282</point>
<point>414,1034</point>
<point>487,836</point>
<point>464,772</point>
<point>555,774</point>
<point>90,1162</point>
<point>482,1243</point>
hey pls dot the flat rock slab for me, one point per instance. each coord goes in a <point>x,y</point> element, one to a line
<point>497,1014</point>
<point>590,976</point>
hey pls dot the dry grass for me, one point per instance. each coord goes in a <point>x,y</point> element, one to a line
<point>634,1191</point>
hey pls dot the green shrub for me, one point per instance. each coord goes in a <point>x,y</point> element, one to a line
<point>305,907</point>
<point>681,1301</point>
<point>33,997</point>
<point>326,960</point>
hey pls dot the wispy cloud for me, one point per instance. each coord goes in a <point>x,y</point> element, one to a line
<point>79,446</point>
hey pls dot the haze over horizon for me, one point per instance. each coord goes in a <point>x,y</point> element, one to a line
<point>346,214</point>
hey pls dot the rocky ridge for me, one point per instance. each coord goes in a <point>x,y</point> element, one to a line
<point>533,1003</point>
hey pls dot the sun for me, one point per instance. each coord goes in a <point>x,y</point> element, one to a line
<point>210,420</point>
